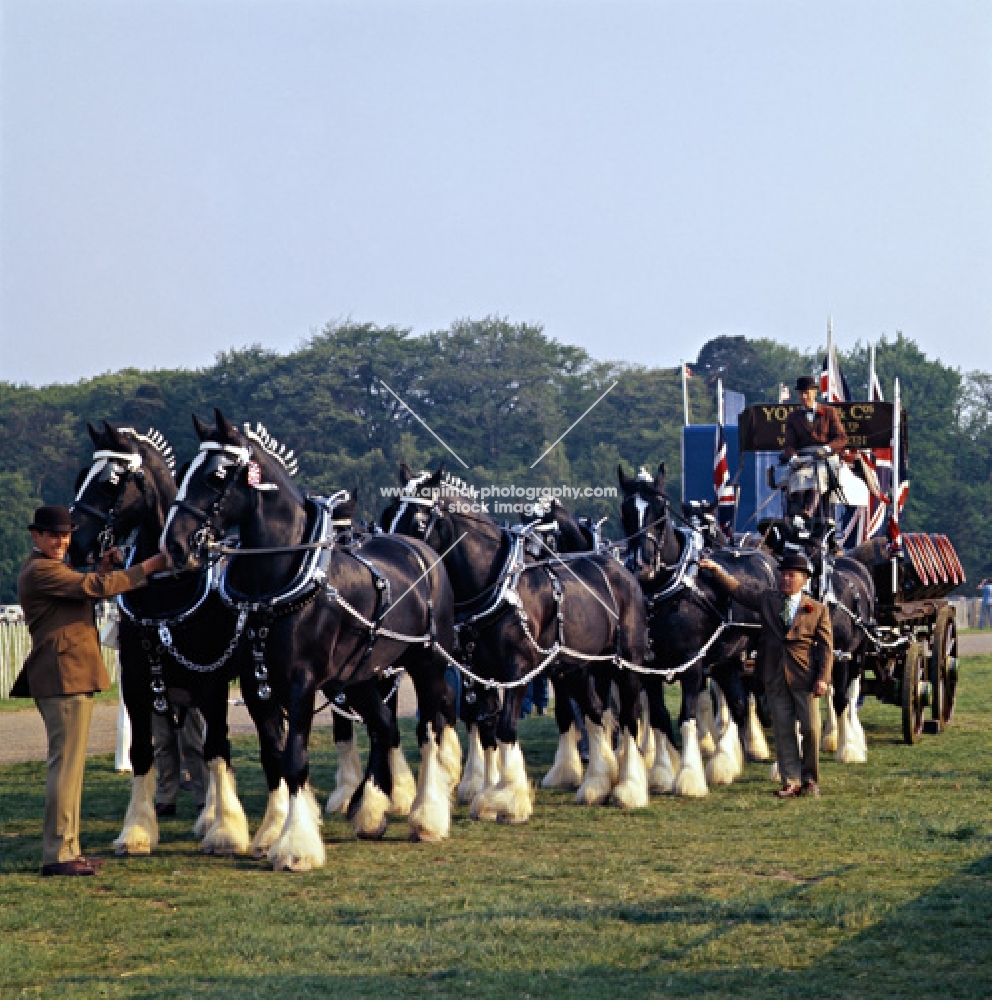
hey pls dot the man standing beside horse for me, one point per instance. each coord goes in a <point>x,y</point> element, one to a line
<point>64,668</point>
<point>795,657</point>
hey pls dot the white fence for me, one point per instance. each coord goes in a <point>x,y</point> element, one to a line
<point>969,610</point>
<point>15,644</point>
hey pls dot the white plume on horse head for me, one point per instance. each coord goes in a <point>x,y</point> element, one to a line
<point>283,455</point>
<point>154,439</point>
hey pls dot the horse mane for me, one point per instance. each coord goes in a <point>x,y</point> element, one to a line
<point>448,485</point>
<point>283,455</point>
<point>154,439</point>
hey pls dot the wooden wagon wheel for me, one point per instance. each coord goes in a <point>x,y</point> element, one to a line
<point>914,677</point>
<point>949,663</point>
<point>937,671</point>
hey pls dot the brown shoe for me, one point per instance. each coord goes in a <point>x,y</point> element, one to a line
<point>788,791</point>
<point>77,866</point>
<point>95,863</point>
<point>811,788</point>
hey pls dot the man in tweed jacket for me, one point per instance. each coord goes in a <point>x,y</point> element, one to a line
<point>795,658</point>
<point>64,668</point>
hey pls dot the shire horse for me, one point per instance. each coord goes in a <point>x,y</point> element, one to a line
<point>695,630</point>
<point>323,616</point>
<point>178,643</point>
<point>522,610</point>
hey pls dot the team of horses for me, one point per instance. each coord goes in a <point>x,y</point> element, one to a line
<point>280,590</point>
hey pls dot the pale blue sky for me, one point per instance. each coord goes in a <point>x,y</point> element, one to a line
<point>179,178</point>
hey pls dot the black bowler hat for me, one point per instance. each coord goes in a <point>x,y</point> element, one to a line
<point>53,518</point>
<point>805,382</point>
<point>796,560</point>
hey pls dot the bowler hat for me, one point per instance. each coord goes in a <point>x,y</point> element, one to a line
<point>796,560</point>
<point>53,518</point>
<point>805,382</point>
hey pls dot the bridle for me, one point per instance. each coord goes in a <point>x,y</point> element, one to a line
<point>118,468</point>
<point>208,531</point>
<point>656,563</point>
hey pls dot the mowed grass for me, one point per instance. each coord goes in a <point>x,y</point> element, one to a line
<point>881,888</point>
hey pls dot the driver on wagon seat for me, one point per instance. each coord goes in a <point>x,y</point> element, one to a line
<point>815,425</point>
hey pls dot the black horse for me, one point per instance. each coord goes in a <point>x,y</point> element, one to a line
<point>521,610</point>
<point>323,616</point>
<point>695,630</point>
<point>178,643</point>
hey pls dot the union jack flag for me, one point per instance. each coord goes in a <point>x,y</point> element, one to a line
<point>722,486</point>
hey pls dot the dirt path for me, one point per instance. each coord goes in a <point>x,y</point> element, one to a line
<point>22,734</point>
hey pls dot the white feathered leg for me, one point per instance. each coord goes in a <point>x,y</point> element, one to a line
<point>347,778</point>
<point>566,771</point>
<point>139,834</point>
<point>299,847</point>
<point>208,814</point>
<point>474,775</point>
<point>754,735</point>
<point>122,753</point>
<point>481,807</point>
<point>228,834</point>
<point>631,792</point>
<point>276,810</point>
<point>404,784</point>
<point>513,798</point>
<point>691,779</point>
<point>830,736</point>
<point>602,770</point>
<point>661,777</point>
<point>725,764</point>
<point>430,817</point>
<point>706,724</point>
<point>450,755</point>
<point>369,820</point>
<point>851,745</point>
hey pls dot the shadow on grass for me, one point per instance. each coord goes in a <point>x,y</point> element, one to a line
<point>939,945</point>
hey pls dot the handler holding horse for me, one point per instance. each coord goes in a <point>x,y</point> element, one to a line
<point>64,668</point>
<point>795,656</point>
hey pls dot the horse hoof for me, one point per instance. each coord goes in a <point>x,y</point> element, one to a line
<point>375,834</point>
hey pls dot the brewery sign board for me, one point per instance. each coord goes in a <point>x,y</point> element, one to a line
<point>868,425</point>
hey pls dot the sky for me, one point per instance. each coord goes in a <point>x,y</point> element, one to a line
<point>187,177</point>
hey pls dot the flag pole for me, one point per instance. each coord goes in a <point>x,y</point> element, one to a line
<point>894,512</point>
<point>830,360</point>
<point>719,401</point>
<point>871,373</point>
<point>685,396</point>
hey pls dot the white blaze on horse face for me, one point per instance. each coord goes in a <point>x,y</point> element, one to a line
<point>101,459</point>
<point>243,455</point>
<point>642,509</point>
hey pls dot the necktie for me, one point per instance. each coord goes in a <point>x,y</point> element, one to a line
<point>787,614</point>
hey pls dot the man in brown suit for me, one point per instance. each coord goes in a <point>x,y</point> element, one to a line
<point>64,668</point>
<point>814,425</point>
<point>795,657</point>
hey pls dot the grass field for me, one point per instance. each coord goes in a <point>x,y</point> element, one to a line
<point>882,888</point>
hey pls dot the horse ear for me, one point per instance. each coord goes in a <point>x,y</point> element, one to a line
<point>659,479</point>
<point>405,474</point>
<point>627,485</point>
<point>94,436</point>
<point>225,426</point>
<point>202,430</point>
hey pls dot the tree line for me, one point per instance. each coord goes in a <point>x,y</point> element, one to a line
<point>498,394</point>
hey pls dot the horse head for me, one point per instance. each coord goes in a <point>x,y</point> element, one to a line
<point>416,510</point>
<point>644,516</point>
<point>129,485</point>
<point>240,479</point>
